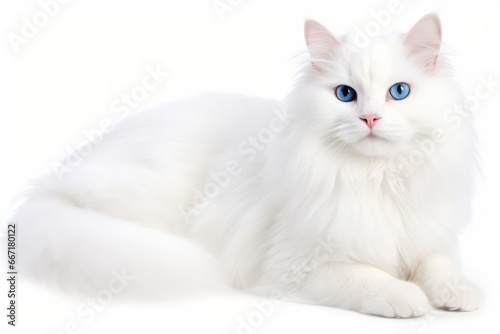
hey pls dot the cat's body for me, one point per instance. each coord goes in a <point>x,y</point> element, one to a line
<point>305,200</point>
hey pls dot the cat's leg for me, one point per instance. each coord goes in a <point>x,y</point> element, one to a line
<point>362,288</point>
<point>445,286</point>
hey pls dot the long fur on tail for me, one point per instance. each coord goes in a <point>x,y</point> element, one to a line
<point>81,250</point>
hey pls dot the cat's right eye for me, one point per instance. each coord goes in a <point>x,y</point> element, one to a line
<point>399,91</point>
<point>345,93</point>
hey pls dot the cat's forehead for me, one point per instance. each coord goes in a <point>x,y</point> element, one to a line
<point>377,62</point>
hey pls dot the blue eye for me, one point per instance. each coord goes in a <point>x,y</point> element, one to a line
<point>345,93</point>
<point>399,91</point>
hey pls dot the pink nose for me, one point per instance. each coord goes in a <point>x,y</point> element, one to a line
<point>370,119</point>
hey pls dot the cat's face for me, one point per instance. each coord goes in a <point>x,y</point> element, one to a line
<point>381,99</point>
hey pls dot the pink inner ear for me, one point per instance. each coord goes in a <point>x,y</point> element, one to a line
<point>321,44</point>
<point>424,41</point>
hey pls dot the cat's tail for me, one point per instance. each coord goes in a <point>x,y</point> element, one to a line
<point>85,251</point>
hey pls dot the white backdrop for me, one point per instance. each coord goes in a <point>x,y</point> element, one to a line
<point>64,73</point>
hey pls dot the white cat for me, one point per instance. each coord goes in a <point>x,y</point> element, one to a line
<point>350,193</point>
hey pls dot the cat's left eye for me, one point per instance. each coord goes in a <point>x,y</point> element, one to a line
<point>399,91</point>
<point>345,93</point>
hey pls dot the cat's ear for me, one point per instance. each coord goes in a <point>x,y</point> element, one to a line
<point>321,44</point>
<point>424,41</point>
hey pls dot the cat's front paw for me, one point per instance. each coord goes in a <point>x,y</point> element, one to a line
<point>403,300</point>
<point>454,294</point>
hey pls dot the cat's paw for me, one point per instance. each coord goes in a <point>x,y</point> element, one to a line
<point>454,294</point>
<point>402,300</point>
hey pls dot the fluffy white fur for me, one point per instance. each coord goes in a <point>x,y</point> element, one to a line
<point>292,200</point>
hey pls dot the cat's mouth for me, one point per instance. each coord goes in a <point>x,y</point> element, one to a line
<point>375,145</point>
<point>376,138</point>
<point>371,136</point>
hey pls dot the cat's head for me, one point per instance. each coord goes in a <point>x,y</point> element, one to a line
<point>379,99</point>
